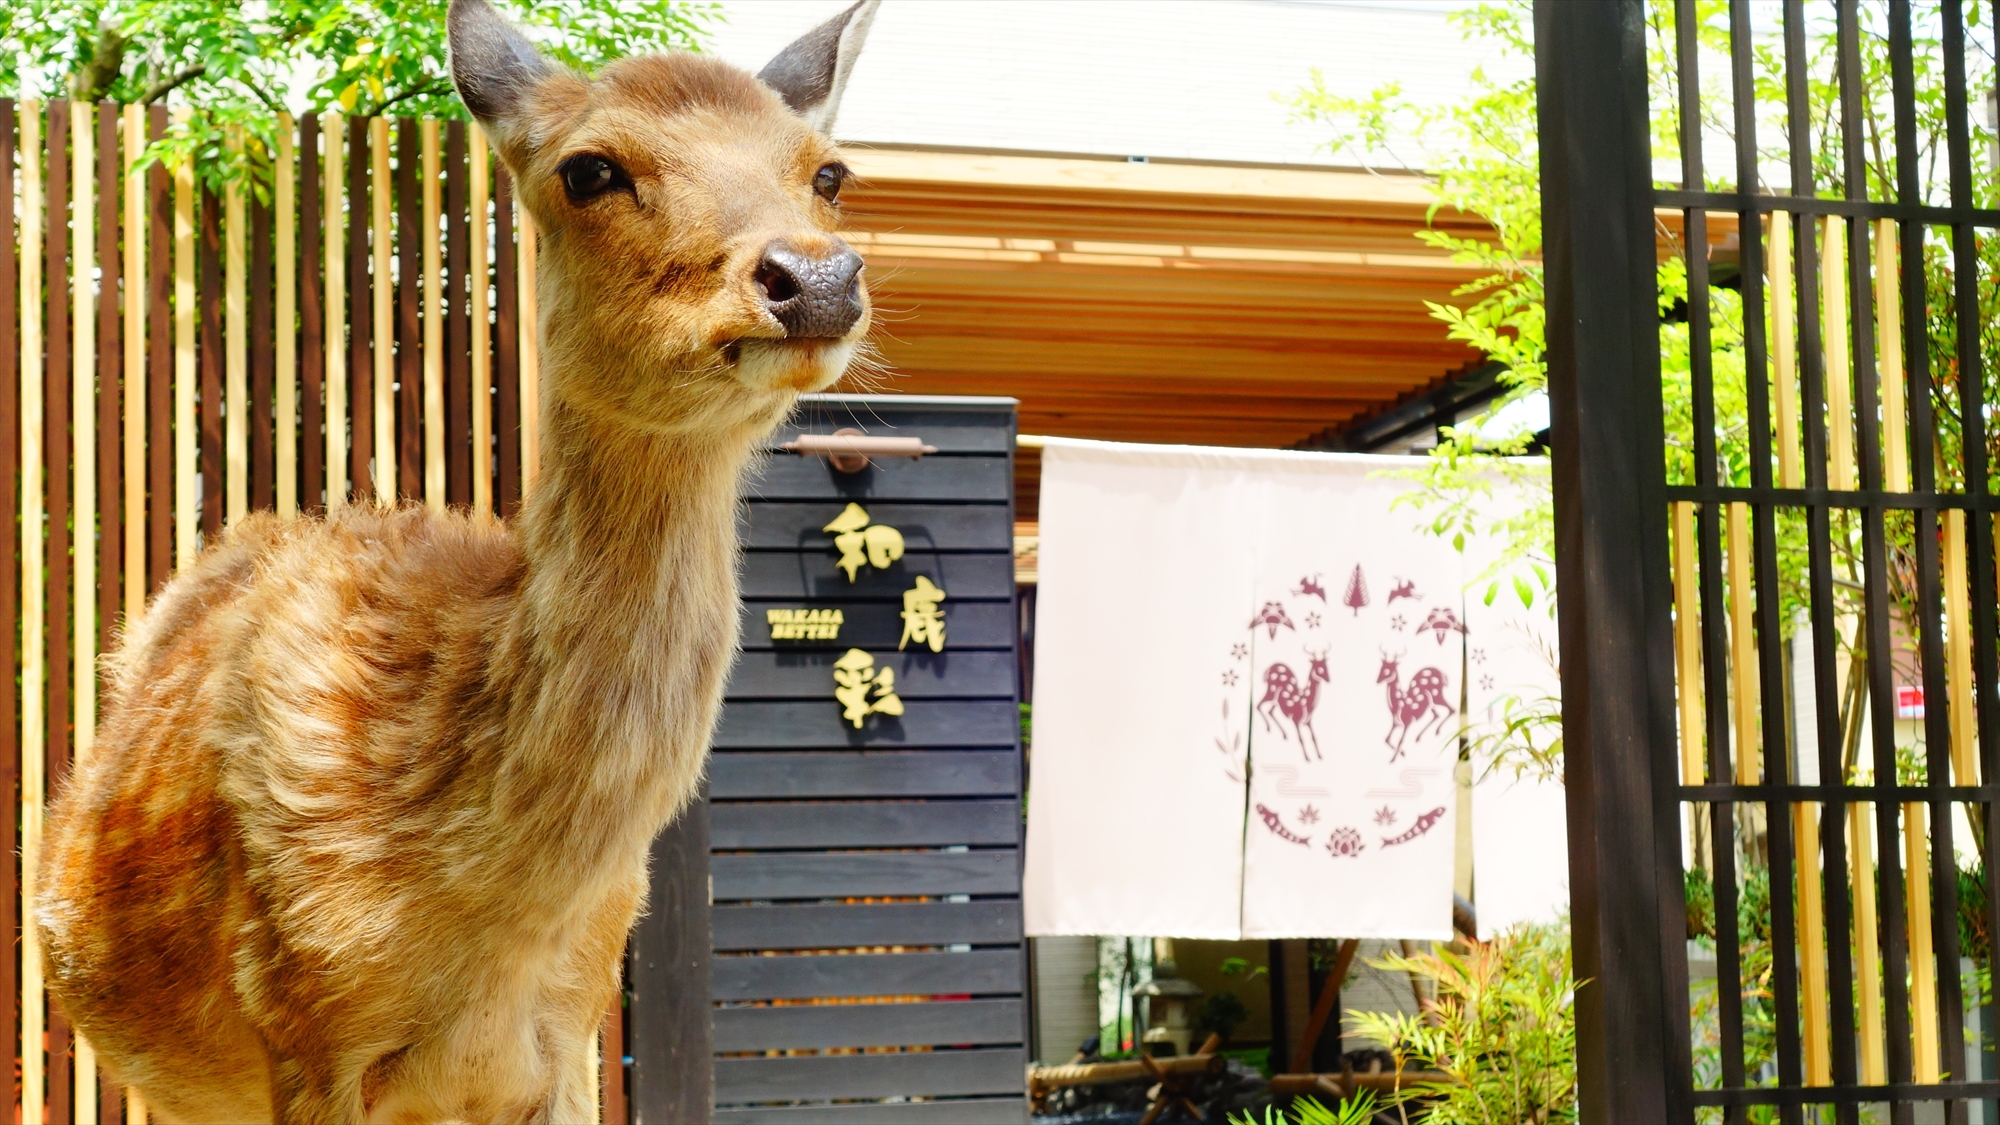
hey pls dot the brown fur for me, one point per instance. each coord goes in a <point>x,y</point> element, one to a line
<point>367,819</point>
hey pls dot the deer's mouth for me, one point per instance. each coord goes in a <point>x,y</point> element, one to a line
<point>791,365</point>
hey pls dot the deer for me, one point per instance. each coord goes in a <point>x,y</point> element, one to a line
<point>1422,697</point>
<point>1295,701</point>
<point>368,816</point>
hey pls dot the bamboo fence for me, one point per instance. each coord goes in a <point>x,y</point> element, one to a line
<point>1729,747</point>
<point>171,360</point>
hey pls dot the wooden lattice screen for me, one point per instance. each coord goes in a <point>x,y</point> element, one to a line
<point>1781,692</point>
<point>361,324</point>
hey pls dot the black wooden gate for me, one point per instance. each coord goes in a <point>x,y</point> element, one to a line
<point>864,819</point>
<point>1778,590</point>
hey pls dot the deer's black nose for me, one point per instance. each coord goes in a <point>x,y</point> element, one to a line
<point>814,298</point>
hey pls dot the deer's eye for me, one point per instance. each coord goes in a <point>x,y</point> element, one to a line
<point>827,181</point>
<point>588,175</point>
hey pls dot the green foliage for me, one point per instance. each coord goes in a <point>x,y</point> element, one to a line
<point>1357,1110</point>
<point>1753,942</point>
<point>238,64</point>
<point>1502,1029</point>
<point>1222,1014</point>
<point>1480,159</point>
<point>1237,966</point>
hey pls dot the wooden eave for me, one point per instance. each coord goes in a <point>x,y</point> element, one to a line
<point>1169,302</point>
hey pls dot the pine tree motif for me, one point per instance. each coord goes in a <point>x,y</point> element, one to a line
<point>1357,591</point>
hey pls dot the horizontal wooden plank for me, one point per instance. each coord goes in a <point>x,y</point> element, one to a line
<point>806,976</point>
<point>958,1023</point>
<point>953,427</point>
<point>803,723</point>
<point>968,477</point>
<point>812,574</point>
<point>862,824</point>
<point>920,674</point>
<point>984,1070</point>
<point>844,926</point>
<point>879,625</point>
<point>946,1111</point>
<point>750,775</point>
<point>947,527</point>
<point>779,875</point>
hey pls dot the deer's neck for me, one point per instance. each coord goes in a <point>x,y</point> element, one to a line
<point>617,648</point>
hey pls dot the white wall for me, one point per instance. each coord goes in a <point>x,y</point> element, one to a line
<point>1187,79</point>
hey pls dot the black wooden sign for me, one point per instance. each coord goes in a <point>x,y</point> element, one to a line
<point>864,816</point>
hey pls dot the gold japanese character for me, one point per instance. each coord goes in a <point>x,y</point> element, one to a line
<point>923,621</point>
<point>856,679</point>
<point>862,545</point>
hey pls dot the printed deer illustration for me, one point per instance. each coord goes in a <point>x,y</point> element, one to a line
<point>368,816</point>
<point>1294,700</point>
<point>1422,698</point>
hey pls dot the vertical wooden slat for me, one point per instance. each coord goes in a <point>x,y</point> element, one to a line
<point>506,344</point>
<point>187,502</point>
<point>1958,651</point>
<point>1785,352</point>
<point>458,329</point>
<point>111,355</point>
<point>135,374</point>
<point>480,273</point>
<point>34,666</point>
<point>211,360</point>
<point>530,359</point>
<point>118,538</point>
<point>314,311</point>
<point>84,419</point>
<point>433,323</point>
<point>1889,347</point>
<point>668,1032</point>
<point>411,235</point>
<point>1873,1039</point>
<point>1687,643</point>
<point>159,363</point>
<point>263,360</point>
<point>335,324</point>
<point>57,417</point>
<point>1742,645</point>
<point>285,360</point>
<point>1839,367</point>
<point>1923,962</point>
<point>235,348</point>
<point>383,309</point>
<point>360,357</point>
<point>1812,946</point>
<point>11,532</point>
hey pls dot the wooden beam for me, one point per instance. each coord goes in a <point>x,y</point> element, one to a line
<point>1323,1009</point>
<point>1267,185</point>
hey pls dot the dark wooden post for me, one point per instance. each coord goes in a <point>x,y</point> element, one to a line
<point>1617,651</point>
<point>670,1036</point>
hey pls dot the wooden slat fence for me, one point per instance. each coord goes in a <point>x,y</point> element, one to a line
<point>360,325</point>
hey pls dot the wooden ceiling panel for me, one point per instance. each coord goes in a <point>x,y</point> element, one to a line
<point>1171,303</point>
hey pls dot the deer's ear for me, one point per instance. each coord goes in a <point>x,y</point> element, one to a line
<point>811,73</point>
<point>492,63</point>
